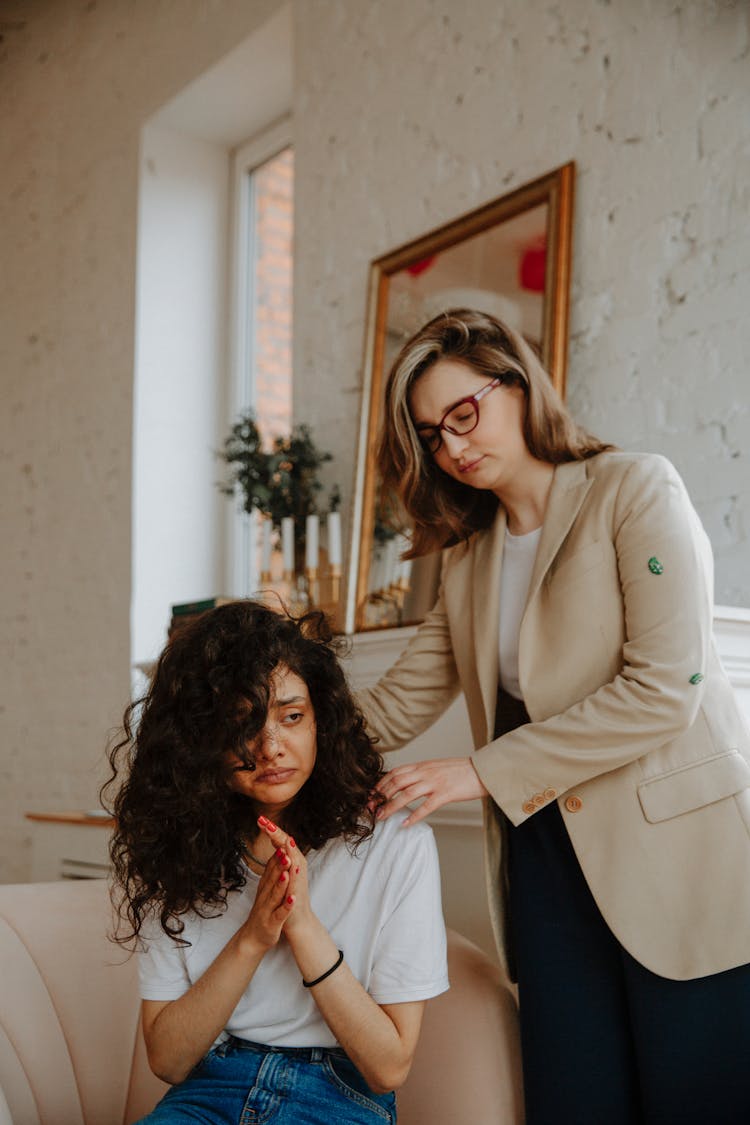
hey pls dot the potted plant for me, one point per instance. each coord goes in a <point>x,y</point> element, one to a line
<point>280,481</point>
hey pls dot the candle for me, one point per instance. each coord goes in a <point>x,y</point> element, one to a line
<point>287,543</point>
<point>390,565</point>
<point>265,546</point>
<point>404,574</point>
<point>403,570</point>
<point>334,539</point>
<point>376,571</point>
<point>311,543</point>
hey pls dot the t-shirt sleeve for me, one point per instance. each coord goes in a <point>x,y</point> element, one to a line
<point>162,970</point>
<point>410,960</point>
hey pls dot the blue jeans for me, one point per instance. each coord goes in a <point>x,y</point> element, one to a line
<point>242,1083</point>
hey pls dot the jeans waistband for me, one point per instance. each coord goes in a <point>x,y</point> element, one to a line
<point>306,1054</point>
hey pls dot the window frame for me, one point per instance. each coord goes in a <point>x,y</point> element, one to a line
<point>245,159</point>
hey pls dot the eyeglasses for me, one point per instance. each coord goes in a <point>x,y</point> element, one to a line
<point>459,419</point>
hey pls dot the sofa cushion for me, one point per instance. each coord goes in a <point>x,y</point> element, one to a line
<point>70,1002</point>
<point>35,1066</point>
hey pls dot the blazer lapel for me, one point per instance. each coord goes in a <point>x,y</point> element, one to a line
<point>485,587</point>
<point>569,487</point>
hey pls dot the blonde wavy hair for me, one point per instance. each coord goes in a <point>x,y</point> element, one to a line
<point>443,510</point>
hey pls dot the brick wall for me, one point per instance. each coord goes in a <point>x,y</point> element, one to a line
<point>272,299</point>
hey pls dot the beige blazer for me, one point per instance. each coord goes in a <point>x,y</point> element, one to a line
<point>634,728</point>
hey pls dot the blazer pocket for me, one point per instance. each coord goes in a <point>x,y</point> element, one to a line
<point>691,787</point>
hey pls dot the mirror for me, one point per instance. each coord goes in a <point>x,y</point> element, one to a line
<point>510,258</point>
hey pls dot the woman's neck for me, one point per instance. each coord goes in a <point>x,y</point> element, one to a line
<point>258,847</point>
<point>526,504</point>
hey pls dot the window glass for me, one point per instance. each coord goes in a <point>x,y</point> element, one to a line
<point>270,292</point>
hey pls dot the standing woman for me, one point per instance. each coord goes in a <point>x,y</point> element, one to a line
<point>575,614</point>
<point>288,941</point>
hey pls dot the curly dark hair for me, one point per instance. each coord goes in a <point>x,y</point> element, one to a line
<point>178,843</point>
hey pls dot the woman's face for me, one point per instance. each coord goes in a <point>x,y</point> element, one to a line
<point>493,454</point>
<point>284,751</point>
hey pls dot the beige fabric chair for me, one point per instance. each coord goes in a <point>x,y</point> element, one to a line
<point>71,1052</point>
<point>467,1069</point>
<point>70,1048</point>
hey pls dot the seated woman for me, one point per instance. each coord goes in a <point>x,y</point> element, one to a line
<point>287,938</point>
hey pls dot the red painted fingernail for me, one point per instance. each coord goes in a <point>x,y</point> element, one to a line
<point>262,821</point>
<point>279,852</point>
<point>282,877</point>
<point>291,842</point>
<point>285,861</point>
<point>296,871</point>
<point>290,900</point>
<point>270,826</point>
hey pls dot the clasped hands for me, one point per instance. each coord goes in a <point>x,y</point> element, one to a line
<point>282,901</point>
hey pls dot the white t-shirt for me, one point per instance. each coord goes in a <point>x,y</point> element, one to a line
<point>381,906</point>
<point>519,553</point>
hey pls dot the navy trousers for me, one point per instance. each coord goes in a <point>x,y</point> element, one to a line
<point>605,1041</point>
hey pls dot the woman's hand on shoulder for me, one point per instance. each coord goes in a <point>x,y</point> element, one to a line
<point>437,782</point>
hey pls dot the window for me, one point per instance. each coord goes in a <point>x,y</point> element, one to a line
<point>270,311</point>
<point>262,310</point>
<point>190,341</point>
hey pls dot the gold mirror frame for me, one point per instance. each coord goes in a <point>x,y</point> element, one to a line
<point>554,193</point>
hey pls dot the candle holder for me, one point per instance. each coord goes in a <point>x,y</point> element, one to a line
<point>311,579</point>
<point>298,574</point>
<point>298,600</point>
<point>335,581</point>
<point>300,591</point>
<point>390,578</point>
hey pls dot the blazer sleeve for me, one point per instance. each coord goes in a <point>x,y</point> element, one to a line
<point>666,582</point>
<point>418,688</point>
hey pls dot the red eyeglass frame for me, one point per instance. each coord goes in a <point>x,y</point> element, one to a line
<point>427,432</point>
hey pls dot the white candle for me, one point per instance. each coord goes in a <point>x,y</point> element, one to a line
<point>403,571</point>
<point>311,543</point>
<point>287,543</point>
<point>376,570</point>
<point>391,562</point>
<point>265,546</point>
<point>334,539</point>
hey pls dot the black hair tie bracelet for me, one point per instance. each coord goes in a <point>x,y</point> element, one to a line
<point>327,973</point>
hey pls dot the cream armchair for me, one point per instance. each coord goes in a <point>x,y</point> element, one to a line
<point>71,1051</point>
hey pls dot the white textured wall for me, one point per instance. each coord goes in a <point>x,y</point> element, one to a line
<point>409,114</point>
<point>77,81</point>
